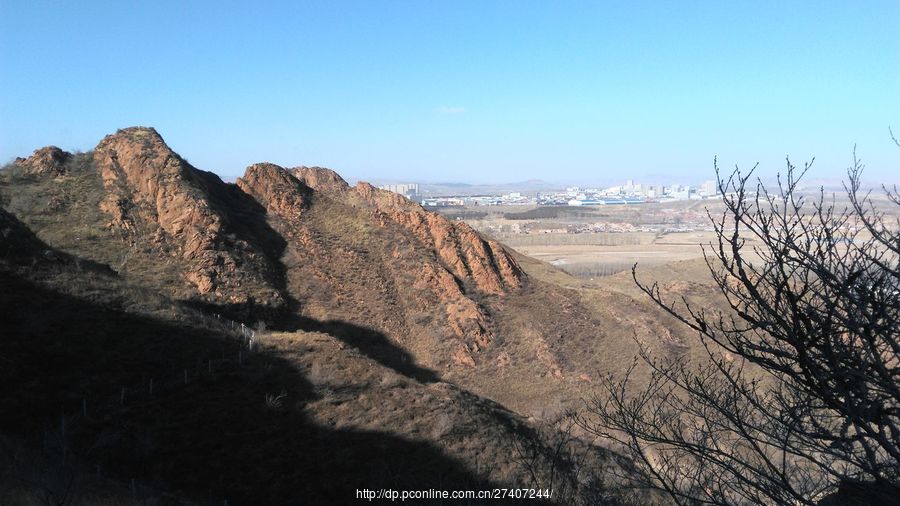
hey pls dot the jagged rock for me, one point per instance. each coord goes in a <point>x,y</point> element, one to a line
<point>463,356</point>
<point>320,179</point>
<point>47,161</point>
<point>150,185</point>
<point>464,251</point>
<point>367,257</point>
<point>460,259</point>
<point>275,188</point>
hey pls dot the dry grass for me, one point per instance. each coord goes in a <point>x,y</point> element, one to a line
<point>328,410</point>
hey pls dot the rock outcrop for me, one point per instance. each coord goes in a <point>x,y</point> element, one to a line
<point>155,195</point>
<point>299,240</point>
<point>471,258</point>
<point>47,161</point>
<point>320,179</point>
<point>274,188</point>
<point>446,263</point>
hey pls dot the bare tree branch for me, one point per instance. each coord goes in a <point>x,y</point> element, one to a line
<point>800,394</point>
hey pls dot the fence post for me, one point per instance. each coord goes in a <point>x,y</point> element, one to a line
<point>185,376</point>
<point>122,398</point>
<point>62,436</point>
<point>151,387</point>
<point>84,407</point>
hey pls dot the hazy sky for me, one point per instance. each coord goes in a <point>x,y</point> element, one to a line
<point>466,91</point>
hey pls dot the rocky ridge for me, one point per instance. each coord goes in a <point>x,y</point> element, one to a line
<point>155,195</point>
<point>296,242</point>
<point>445,262</point>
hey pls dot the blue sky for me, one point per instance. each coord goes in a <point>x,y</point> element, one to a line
<point>462,91</point>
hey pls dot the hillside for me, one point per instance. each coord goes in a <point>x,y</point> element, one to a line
<point>385,335</point>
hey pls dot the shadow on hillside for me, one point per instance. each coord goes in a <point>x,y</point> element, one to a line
<point>369,341</point>
<point>373,344</point>
<point>235,429</point>
<point>247,220</point>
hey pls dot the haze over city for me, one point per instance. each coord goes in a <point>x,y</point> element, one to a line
<point>480,92</point>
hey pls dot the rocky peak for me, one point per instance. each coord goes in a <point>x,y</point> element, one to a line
<point>275,188</point>
<point>139,169</point>
<point>320,179</point>
<point>48,160</point>
<point>154,194</point>
<point>283,235</point>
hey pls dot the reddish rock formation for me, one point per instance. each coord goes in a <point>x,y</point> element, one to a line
<point>153,189</point>
<point>320,179</point>
<point>138,168</point>
<point>443,259</point>
<point>468,256</point>
<point>47,161</point>
<point>464,317</point>
<point>274,188</point>
<point>354,254</point>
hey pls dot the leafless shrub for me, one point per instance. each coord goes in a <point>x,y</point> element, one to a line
<point>800,397</point>
<point>275,401</point>
<point>553,458</point>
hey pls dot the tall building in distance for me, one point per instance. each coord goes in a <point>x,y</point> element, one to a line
<point>709,189</point>
<point>408,190</point>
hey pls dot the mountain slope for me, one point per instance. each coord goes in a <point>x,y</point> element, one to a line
<point>119,385</point>
<point>362,279</point>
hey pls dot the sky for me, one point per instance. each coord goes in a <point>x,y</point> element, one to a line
<point>480,92</point>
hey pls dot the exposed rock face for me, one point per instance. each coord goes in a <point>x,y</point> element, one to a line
<point>155,193</point>
<point>320,179</point>
<point>469,257</point>
<point>442,260</point>
<point>465,318</point>
<point>465,261</point>
<point>299,239</point>
<point>275,188</point>
<point>47,161</point>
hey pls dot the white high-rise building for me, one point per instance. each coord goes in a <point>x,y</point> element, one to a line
<point>405,189</point>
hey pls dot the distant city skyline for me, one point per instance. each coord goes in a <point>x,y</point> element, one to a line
<point>476,92</point>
